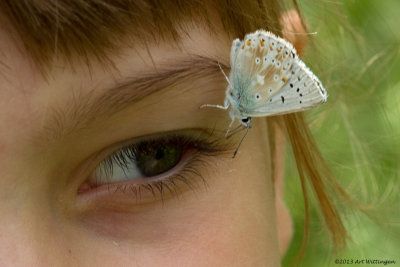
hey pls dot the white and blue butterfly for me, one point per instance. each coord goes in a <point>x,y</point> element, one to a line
<point>268,78</point>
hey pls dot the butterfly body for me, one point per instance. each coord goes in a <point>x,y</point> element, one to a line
<point>268,78</point>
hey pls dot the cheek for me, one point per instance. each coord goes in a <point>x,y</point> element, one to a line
<point>251,202</point>
<point>231,223</point>
<point>285,225</point>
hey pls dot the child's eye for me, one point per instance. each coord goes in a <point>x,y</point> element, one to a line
<point>145,159</point>
<point>154,162</point>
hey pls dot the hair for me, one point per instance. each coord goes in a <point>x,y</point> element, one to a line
<point>94,30</point>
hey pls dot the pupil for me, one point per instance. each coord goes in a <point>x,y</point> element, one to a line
<point>245,120</point>
<point>159,154</point>
<point>155,159</point>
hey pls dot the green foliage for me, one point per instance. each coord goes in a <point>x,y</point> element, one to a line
<point>356,54</point>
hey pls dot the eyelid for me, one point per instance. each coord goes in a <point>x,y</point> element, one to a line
<point>205,142</point>
<point>106,167</point>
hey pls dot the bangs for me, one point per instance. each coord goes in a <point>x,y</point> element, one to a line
<point>94,30</point>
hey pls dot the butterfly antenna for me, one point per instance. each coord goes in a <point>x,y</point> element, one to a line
<point>223,72</point>
<point>234,154</point>
<point>226,104</point>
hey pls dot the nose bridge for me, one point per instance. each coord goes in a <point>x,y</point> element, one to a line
<point>27,229</point>
<point>28,221</point>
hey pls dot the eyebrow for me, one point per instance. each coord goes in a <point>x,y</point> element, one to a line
<point>85,108</point>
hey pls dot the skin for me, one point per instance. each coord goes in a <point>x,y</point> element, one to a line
<point>44,221</point>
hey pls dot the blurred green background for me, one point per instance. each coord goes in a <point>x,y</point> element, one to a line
<point>356,54</point>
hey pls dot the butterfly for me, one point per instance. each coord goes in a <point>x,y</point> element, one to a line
<point>268,78</point>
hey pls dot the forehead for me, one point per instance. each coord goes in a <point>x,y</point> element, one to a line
<point>22,85</point>
<point>95,29</point>
<point>28,101</point>
<point>17,70</point>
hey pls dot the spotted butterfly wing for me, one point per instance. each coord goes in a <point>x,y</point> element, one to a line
<point>268,78</point>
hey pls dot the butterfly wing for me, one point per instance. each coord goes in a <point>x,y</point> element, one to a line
<point>270,77</point>
<point>236,45</point>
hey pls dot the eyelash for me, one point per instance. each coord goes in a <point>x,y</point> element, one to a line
<point>201,147</point>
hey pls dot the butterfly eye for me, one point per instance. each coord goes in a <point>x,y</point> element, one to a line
<point>231,93</point>
<point>257,60</point>
<point>257,96</point>
<point>276,77</point>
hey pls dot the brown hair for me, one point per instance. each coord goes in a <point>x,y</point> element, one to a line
<point>93,30</point>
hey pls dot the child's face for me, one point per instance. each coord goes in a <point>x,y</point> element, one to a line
<point>54,133</point>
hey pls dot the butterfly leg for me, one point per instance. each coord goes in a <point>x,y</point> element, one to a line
<point>225,106</point>
<point>213,106</point>
<point>232,115</point>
